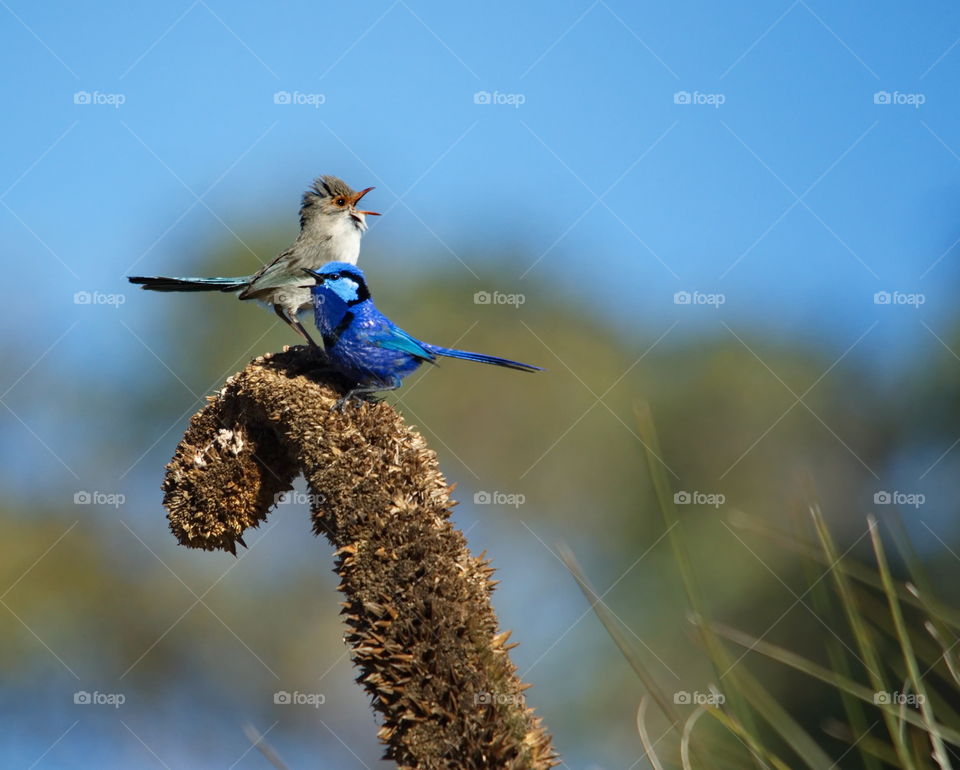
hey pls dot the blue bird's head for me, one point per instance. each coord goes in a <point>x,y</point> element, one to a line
<point>344,280</point>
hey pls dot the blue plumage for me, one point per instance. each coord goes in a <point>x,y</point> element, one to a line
<point>363,344</point>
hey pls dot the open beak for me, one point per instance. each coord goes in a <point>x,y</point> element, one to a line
<point>356,200</point>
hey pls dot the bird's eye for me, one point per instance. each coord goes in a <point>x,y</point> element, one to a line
<point>341,201</point>
<point>333,277</point>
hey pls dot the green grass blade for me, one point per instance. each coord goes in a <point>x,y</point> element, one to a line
<point>685,739</point>
<point>778,717</point>
<point>758,748</point>
<point>939,750</point>
<point>861,633</point>
<point>947,650</point>
<point>644,736</point>
<point>663,489</point>
<point>832,678</point>
<point>838,654</point>
<point>874,747</point>
<point>626,647</point>
<point>944,711</point>
<point>927,652</point>
<point>859,572</point>
<point>918,577</point>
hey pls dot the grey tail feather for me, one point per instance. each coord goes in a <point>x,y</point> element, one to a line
<point>161,283</point>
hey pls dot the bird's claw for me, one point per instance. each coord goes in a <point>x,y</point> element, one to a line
<point>356,395</point>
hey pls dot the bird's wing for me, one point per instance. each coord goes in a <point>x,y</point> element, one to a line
<point>273,275</point>
<point>390,337</point>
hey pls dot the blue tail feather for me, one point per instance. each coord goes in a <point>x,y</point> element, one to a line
<point>162,283</point>
<point>466,355</point>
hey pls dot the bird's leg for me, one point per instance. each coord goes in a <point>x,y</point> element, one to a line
<point>365,390</point>
<point>295,324</point>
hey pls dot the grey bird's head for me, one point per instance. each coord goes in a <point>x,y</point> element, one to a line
<point>331,204</point>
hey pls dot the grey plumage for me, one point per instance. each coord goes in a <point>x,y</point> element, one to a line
<point>330,230</point>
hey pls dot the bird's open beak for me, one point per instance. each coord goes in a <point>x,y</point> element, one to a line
<point>357,198</point>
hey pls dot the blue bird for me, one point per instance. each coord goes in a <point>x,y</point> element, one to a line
<point>365,346</point>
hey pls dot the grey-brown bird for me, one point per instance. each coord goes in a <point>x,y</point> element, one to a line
<point>330,230</point>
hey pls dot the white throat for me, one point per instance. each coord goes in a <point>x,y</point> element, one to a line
<point>337,241</point>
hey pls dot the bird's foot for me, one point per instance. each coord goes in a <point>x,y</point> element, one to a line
<point>367,395</point>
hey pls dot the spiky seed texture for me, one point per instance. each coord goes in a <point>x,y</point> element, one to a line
<point>421,627</point>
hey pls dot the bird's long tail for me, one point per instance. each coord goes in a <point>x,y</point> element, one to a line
<point>483,359</point>
<point>161,283</point>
